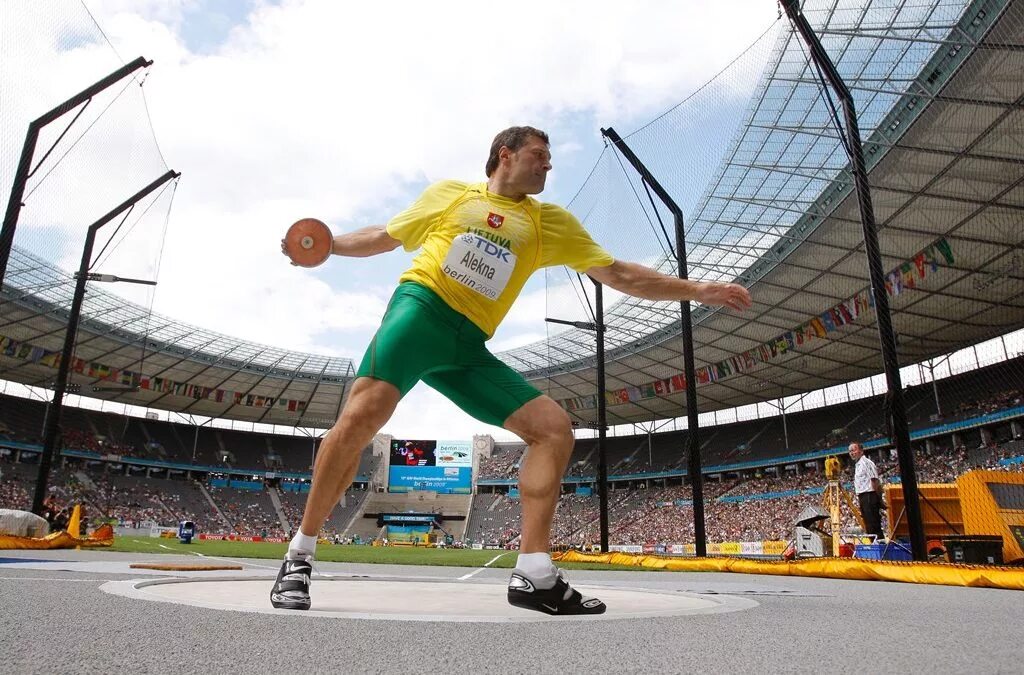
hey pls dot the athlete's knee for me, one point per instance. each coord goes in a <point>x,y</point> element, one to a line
<point>555,429</point>
<point>542,421</point>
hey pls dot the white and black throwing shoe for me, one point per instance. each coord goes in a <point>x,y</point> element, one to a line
<point>291,590</point>
<point>560,599</point>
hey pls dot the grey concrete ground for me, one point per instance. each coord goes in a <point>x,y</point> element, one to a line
<point>55,619</point>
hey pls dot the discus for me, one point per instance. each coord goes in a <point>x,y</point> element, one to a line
<point>308,242</point>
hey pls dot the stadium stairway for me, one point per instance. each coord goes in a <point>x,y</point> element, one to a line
<point>356,513</point>
<point>275,499</point>
<point>166,509</point>
<point>214,506</point>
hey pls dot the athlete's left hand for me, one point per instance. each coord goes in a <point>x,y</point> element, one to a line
<point>727,295</point>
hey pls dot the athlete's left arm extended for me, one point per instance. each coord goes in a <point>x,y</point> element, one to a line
<point>643,282</point>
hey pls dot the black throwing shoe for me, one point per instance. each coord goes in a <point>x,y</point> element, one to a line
<point>291,590</point>
<point>560,599</point>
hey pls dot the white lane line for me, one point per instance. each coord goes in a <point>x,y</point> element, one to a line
<point>481,569</point>
<point>495,559</point>
<point>167,547</point>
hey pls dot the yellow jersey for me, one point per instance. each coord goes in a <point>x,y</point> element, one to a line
<point>479,248</point>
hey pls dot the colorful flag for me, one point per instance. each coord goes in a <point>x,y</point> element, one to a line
<point>945,249</point>
<point>919,264</point>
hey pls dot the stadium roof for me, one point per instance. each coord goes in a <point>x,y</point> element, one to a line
<point>944,135</point>
<point>941,117</point>
<point>124,336</point>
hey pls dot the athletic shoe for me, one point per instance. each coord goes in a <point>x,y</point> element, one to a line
<point>560,599</point>
<point>291,590</point>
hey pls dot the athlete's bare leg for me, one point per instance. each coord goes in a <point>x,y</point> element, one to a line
<point>548,432</point>
<point>370,405</point>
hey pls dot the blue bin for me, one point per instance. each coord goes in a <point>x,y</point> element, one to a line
<point>892,550</point>
<point>186,530</point>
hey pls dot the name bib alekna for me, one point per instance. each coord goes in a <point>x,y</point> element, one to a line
<point>479,264</point>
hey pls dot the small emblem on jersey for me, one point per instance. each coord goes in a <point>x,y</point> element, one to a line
<point>494,220</point>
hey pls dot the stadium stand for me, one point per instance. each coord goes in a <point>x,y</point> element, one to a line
<point>749,494</point>
<point>504,460</point>
<point>962,396</point>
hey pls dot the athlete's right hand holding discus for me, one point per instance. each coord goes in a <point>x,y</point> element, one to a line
<point>309,242</point>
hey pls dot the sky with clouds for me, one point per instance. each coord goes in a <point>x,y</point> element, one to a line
<point>274,111</point>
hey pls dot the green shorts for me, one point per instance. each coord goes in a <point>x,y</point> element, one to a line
<point>422,338</point>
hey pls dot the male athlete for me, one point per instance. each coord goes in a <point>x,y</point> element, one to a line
<point>479,243</point>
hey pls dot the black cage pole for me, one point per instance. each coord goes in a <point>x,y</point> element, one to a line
<point>602,406</point>
<point>897,408</point>
<point>602,418</point>
<point>25,170</point>
<point>53,415</point>
<point>693,435</point>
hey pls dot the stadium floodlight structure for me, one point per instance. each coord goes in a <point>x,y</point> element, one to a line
<point>896,413</point>
<point>51,431</point>
<point>25,169</point>
<point>689,369</point>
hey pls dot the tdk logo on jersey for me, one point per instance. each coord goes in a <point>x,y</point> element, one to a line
<point>494,220</point>
<point>490,249</point>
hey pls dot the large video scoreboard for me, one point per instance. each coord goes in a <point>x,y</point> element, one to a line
<point>441,466</point>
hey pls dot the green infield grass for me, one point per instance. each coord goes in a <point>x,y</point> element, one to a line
<point>383,555</point>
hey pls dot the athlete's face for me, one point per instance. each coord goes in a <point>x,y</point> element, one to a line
<point>529,166</point>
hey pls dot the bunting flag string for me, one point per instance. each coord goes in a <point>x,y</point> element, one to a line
<point>33,354</point>
<point>905,276</point>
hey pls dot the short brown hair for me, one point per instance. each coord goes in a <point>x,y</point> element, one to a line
<point>512,138</point>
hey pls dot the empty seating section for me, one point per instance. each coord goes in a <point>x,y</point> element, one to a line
<point>368,464</point>
<point>494,520</point>
<point>21,419</point>
<point>296,452</point>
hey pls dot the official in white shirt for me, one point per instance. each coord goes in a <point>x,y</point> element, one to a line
<point>868,487</point>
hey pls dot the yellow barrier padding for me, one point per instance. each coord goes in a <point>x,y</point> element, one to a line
<point>75,523</point>
<point>979,576</point>
<point>103,536</point>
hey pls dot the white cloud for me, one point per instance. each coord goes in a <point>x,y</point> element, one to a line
<point>343,110</point>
